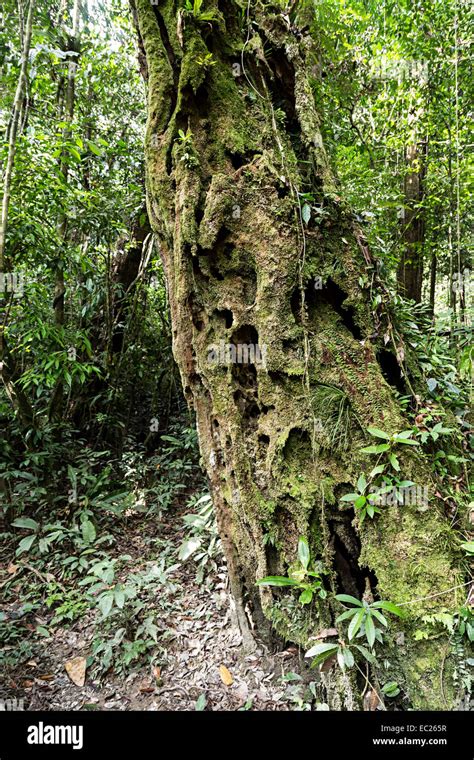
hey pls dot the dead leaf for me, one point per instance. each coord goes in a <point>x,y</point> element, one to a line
<point>327,632</point>
<point>12,568</point>
<point>371,701</point>
<point>76,670</point>
<point>226,676</point>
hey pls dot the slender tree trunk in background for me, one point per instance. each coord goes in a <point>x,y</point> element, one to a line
<point>15,394</point>
<point>433,269</point>
<point>13,131</point>
<point>243,268</point>
<point>410,268</point>
<point>73,46</point>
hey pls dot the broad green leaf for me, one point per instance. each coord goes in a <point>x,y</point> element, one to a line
<point>306,596</point>
<point>378,433</point>
<point>320,649</point>
<point>348,657</point>
<point>365,652</point>
<point>346,615</point>
<point>340,658</point>
<point>303,552</point>
<point>360,502</point>
<point>376,449</point>
<point>361,483</point>
<point>93,148</point>
<point>390,689</point>
<point>25,522</point>
<point>26,544</point>
<point>355,623</point>
<point>381,618</point>
<point>88,531</point>
<point>349,497</point>
<point>74,153</point>
<point>349,599</point>
<point>468,547</point>
<point>389,606</point>
<point>394,462</point>
<point>306,213</point>
<point>188,548</point>
<point>105,604</point>
<point>370,630</point>
<point>277,580</point>
<point>377,470</point>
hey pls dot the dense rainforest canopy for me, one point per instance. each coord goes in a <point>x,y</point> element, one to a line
<point>236,354</point>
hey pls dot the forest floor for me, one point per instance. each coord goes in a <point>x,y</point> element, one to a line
<point>198,662</point>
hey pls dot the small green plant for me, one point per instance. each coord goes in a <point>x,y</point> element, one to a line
<point>363,501</point>
<point>391,442</point>
<point>364,621</point>
<point>332,407</point>
<point>206,60</point>
<point>185,138</point>
<point>203,544</point>
<point>43,537</point>
<point>185,148</point>
<point>193,7</point>
<point>299,576</point>
<point>68,604</point>
<point>346,654</point>
<point>390,689</point>
<point>434,433</point>
<point>364,618</point>
<point>459,624</point>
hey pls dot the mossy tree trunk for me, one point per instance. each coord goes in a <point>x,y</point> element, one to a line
<point>233,146</point>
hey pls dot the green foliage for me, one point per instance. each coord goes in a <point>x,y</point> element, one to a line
<point>365,620</point>
<point>331,406</point>
<point>390,689</point>
<point>308,582</point>
<point>194,8</point>
<point>203,543</point>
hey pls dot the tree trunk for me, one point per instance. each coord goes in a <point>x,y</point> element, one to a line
<point>410,268</point>
<point>16,395</point>
<point>233,145</point>
<point>73,47</point>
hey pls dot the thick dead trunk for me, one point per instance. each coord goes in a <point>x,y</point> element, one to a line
<point>233,144</point>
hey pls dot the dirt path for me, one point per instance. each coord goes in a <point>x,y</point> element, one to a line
<point>199,657</point>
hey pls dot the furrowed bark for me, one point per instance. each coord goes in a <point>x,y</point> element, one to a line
<point>233,144</point>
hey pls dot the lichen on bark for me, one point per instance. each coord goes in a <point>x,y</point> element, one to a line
<point>233,141</point>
